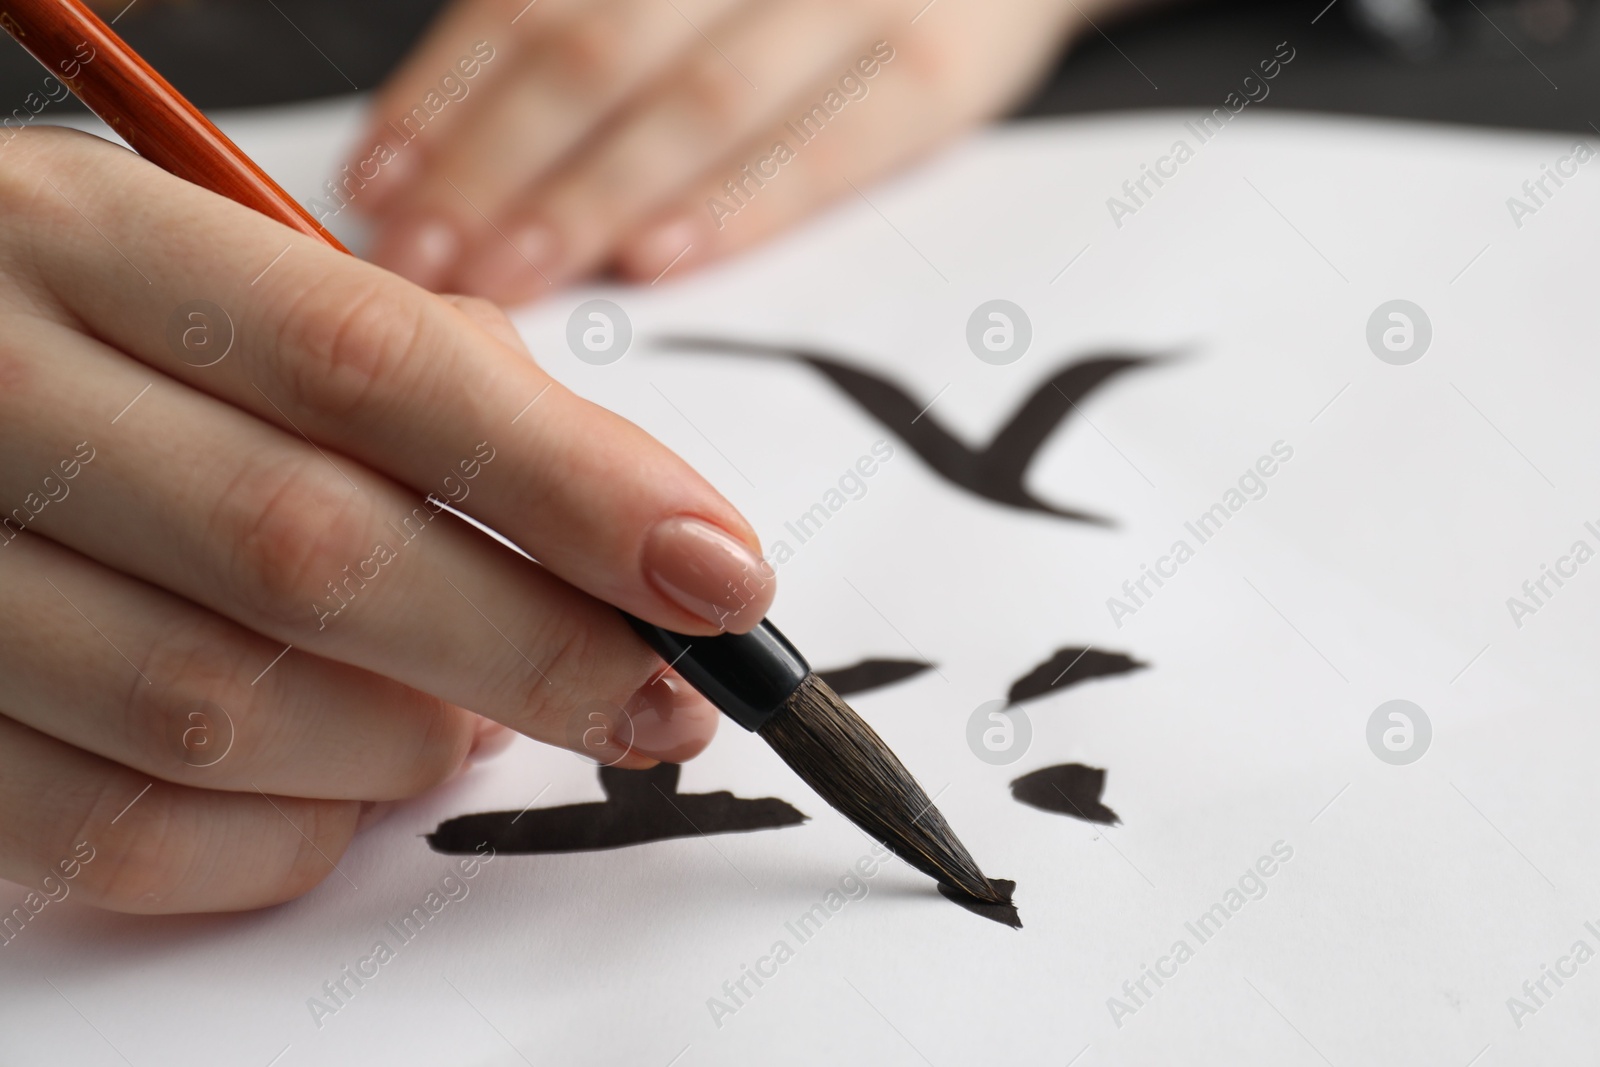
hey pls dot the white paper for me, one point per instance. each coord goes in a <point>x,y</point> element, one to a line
<point>1377,566</point>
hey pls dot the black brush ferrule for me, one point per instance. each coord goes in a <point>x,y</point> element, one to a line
<point>748,676</point>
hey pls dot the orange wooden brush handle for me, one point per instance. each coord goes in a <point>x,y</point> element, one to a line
<point>115,83</point>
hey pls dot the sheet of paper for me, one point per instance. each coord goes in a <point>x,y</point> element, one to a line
<point>1297,876</point>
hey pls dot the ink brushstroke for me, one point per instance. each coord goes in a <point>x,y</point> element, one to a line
<point>1065,668</point>
<point>1067,789</point>
<point>1071,789</point>
<point>640,807</point>
<point>871,674</point>
<point>994,472</point>
<point>1068,667</point>
<point>645,806</point>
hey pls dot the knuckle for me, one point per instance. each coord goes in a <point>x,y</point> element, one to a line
<point>181,851</point>
<point>18,369</point>
<point>947,78</point>
<point>40,167</point>
<point>340,343</point>
<point>290,533</point>
<point>29,155</point>
<point>22,173</point>
<point>315,843</point>
<point>205,724</point>
<point>580,667</point>
<point>197,710</point>
<point>443,748</point>
<point>150,861</point>
<point>565,662</point>
<point>481,310</point>
<point>529,23</point>
<point>486,314</point>
<point>711,92</point>
<point>592,58</point>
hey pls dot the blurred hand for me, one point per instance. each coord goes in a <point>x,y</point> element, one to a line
<point>230,617</point>
<point>525,145</point>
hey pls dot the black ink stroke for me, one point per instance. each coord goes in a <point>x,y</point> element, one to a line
<point>994,472</point>
<point>640,806</point>
<point>871,674</point>
<point>1067,789</point>
<point>1004,912</point>
<point>1067,667</point>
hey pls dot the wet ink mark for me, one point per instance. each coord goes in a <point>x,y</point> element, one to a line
<point>1005,912</point>
<point>640,806</point>
<point>994,472</point>
<point>1067,667</point>
<point>871,674</point>
<point>1067,789</point>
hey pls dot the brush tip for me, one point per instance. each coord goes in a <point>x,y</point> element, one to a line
<point>1001,909</point>
<point>834,750</point>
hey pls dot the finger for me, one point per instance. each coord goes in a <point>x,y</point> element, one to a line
<point>909,102</point>
<point>489,740</point>
<point>489,317</point>
<point>74,824</point>
<point>793,170</point>
<point>208,502</point>
<point>342,354</point>
<point>557,90</point>
<point>121,669</point>
<point>696,112</point>
<point>467,49</point>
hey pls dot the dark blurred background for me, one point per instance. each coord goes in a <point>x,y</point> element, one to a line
<point>1515,63</point>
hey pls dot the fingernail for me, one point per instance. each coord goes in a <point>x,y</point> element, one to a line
<point>708,573</point>
<point>668,721</point>
<point>373,812</point>
<point>512,269</point>
<point>420,250</point>
<point>665,248</point>
<point>489,740</point>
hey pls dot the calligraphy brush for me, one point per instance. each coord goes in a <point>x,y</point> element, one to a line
<point>758,679</point>
<point>762,682</point>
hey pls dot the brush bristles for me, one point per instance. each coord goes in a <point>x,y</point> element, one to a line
<point>847,763</point>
